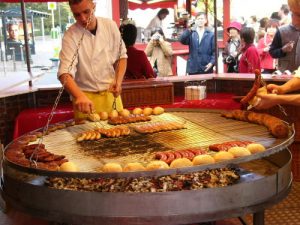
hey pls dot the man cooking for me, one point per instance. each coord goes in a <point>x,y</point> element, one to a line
<point>94,76</point>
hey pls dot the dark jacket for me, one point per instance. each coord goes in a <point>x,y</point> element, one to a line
<point>200,54</point>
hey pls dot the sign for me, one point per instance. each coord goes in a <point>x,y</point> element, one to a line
<point>52,5</point>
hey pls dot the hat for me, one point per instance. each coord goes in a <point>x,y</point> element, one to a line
<point>236,25</point>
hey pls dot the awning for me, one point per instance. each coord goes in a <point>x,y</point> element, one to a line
<point>144,5</point>
<point>19,1</point>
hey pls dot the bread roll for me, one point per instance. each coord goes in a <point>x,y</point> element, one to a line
<point>125,112</point>
<point>182,162</point>
<point>203,159</point>
<point>158,110</point>
<point>157,165</point>
<point>134,167</point>
<point>103,115</point>
<point>255,148</point>
<point>223,156</point>
<point>239,151</point>
<point>68,167</point>
<point>112,167</point>
<point>147,111</point>
<point>137,111</point>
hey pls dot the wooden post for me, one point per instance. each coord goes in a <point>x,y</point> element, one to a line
<point>116,11</point>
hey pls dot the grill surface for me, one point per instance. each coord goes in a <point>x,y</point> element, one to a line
<point>202,129</point>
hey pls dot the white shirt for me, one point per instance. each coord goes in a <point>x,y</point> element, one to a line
<point>93,67</point>
<point>154,23</point>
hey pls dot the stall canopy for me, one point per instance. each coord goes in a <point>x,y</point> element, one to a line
<point>18,1</point>
<point>139,4</point>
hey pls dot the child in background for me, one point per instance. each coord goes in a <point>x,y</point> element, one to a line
<point>160,53</point>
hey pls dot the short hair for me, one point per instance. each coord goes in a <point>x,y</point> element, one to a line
<point>162,12</point>
<point>273,22</point>
<point>11,24</point>
<point>264,22</point>
<point>200,14</point>
<point>74,2</point>
<point>129,33</point>
<point>275,15</point>
<point>285,9</point>
<point>248,34</point>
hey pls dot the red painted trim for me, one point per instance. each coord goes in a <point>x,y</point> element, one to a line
<point>116,11</point>
<point>169,4</point>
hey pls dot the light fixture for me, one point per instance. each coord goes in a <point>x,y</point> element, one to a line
<point>136,1</point>
<point>155,1</point>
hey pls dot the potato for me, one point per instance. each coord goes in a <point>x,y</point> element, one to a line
<point>158,110</point>
<point>239,151</point>
<point>223,156</point>
<point>182,162</point>
<point>103,115</point>
<point>125,112</point>
<point>134,167</point>
<point>203,159</point>
<point>113,114</point>
<point>157,165</point>
<point>112,167</point>
<point>256,148</point>
<point>147,111</point>
<point>137,111</point>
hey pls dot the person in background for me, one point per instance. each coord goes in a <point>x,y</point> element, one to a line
<point>253,23</point>
<point>138,65</point>
<point>160,53</point>
<point>95,77</point>
<point>249,60</point>
<point>268,64</point>
<point>284,14</point>
<point>284,45</point>
<point>280,92</point>
<point>13,32</point>
<point>275,16</point>
<point>262,28</point>
<point>231,51</point>
<point>156,22</point>
<point>14,46</point>
<point>201,43</point>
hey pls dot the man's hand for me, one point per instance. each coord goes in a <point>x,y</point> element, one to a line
<point>266,101</point>
<point>115,89</point>
<point>84,104</point>
<point>274,89</point>
<point>208,66</point>
<point>288,47</point>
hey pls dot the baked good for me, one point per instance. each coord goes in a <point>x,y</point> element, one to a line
<point>256,148</point>
<point>157,165</point>
<point>68,167</point>
<point>112,167</point>
<point>158,110</point>
<point>239,151</point>
<point>223,156</point>
<point>134,167</point>
<point>182,162</point>
<point>203,159</point>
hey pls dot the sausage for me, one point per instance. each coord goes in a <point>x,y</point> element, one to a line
<point>253,90</point>
<point>190,155</point>
<point>161,156</point>
<point>177,155</point>
<point>170,156</point>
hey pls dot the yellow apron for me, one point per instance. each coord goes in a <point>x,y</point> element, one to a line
<point>103,102</point>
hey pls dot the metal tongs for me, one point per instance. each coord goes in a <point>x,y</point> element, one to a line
<point>114,105</point>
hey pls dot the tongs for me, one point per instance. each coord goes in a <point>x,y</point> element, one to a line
<point>114,105</point>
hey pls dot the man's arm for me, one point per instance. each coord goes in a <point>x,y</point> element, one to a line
<point>276,47</point>
<point>116,86</point>
<point>82,103</point>
<point>270,100</point>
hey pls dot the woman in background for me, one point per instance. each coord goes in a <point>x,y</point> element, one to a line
<point>230,54</point>
<point>268,64</point>
<point>160,53</point>
<point>138,65</point>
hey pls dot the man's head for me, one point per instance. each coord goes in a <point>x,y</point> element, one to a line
<point>13,31</point>
<point>201,20</point>
<point>129,33</point>
<point>162,14</point>
<point>82,10</point>
<point>284,10</point>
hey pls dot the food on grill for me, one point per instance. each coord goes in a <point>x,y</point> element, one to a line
<point>137,111</point>
<point>227,145</point>
<point>261,91</point>
<point>223,156</point>
<point>276,126</point>
<point>157,165</point>
<point>147,111</point>
<point>96,134</point>
<point>157,127</point>
<point>124,112</point>
<point>128,119</point>
<point>103,115</point>
<point>93,117</point>
<point>134,167</point>
<point>255,148</point>
<point>168,157</point>
<point>191,181</point>
<point>68,167</point>
<point>114,113</point>
<point>112,167</point>
<point>182,162</point>
<point>203,159</point>
<point>88,136</point>
<point>256,85</point>
<point>158,110</point>
<point>239,151</point>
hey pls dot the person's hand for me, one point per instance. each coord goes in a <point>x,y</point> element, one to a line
<point>274,89</point>
<point>156,36</point>
<point>288,47</point>
<point>266,49</point>
<point>208,66</point>
<point>266,101</point>
<point>115,89</point>
<point>84,104</point>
